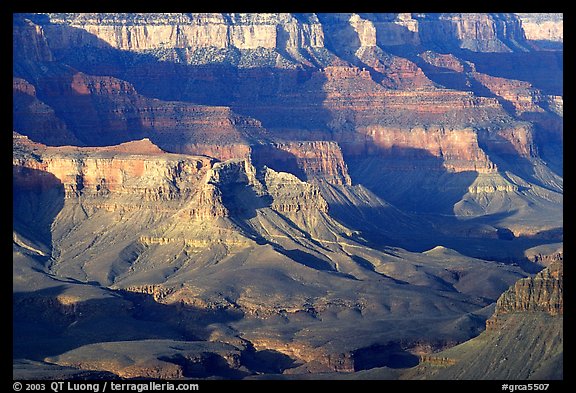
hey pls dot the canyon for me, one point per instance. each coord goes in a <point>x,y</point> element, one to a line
<point>286,196</point>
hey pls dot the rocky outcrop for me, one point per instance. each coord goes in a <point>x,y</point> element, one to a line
<point>516,141</point>
<point>441,60</point>
<point>201,188</point>
<point>291,195</point>
<point>434,147</point>
<point>29,41</point>
<point>318,358</point>
<point>474,31</point>
<point>221,152</point>
<point>541,293</point>
<point>156,359</point>
<point>523,338</point>
<point>141,32</point>
<point>545,255</point>
<point>134,168</point>
<point>438,361</point>
<point>480,32</point>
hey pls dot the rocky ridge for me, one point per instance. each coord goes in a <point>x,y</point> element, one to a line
<point>529,310</point>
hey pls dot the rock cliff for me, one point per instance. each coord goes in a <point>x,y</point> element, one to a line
<point>531,311</point>
<point>543,27</point>
<point>356,93</point>
<point>105,110</point>
<point>541,293</point>
<point>133,168</point>
<point>309,160</point>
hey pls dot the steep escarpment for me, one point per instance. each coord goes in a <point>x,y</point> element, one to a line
<point>356,90</point>
<point>200,38</point>
<point>133,168</point>
<point>101,111</point>
<point>531,311</point>
<point>479,32</point>
<point>543,27</point>
<point>321,160</point>
<point>542,293</point>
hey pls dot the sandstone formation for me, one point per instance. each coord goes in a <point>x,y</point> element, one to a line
<point>544,27</point>
<point>320,160</point>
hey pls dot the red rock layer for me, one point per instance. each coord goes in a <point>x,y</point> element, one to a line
<point>221,152</point>
<point>103,110</point>
<point>145,171</point>
<point>455,149</point>
<point>441,60</point>
<point>521,94</point>
<point>36,119</point>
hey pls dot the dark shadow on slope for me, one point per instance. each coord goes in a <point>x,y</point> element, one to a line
<point>426,192</point>
<point>543,69</point>
<point>504,154</point>
<point>547,45</point>
<point>242,201</point>
<point>307,259</point>
<point>44,326</point>
<point>342,39</point>
<point>368,266</point>
<point>208,364</point>
<point>451,79</point>
<point>390,355</point>
<point>37,198</point>
<point>35,119</point>
<point>340,36</point>
<point>548,135</point>
<point>278,160</point>
<point>266,361</point>
<point>412,179</point>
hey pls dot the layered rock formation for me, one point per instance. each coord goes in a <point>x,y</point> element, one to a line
<point>321,160</point>
<point>133,168</point>
<point>545,27</point>
<point>105,110</point>
<point>541,293</point>
<point>531,310</point>
<point>479,32</point>
<point>275,99</point>
<point>141,32</point>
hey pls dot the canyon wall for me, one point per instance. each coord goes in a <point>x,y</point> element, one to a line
<point>547,27</point>
<point>478,32</point>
